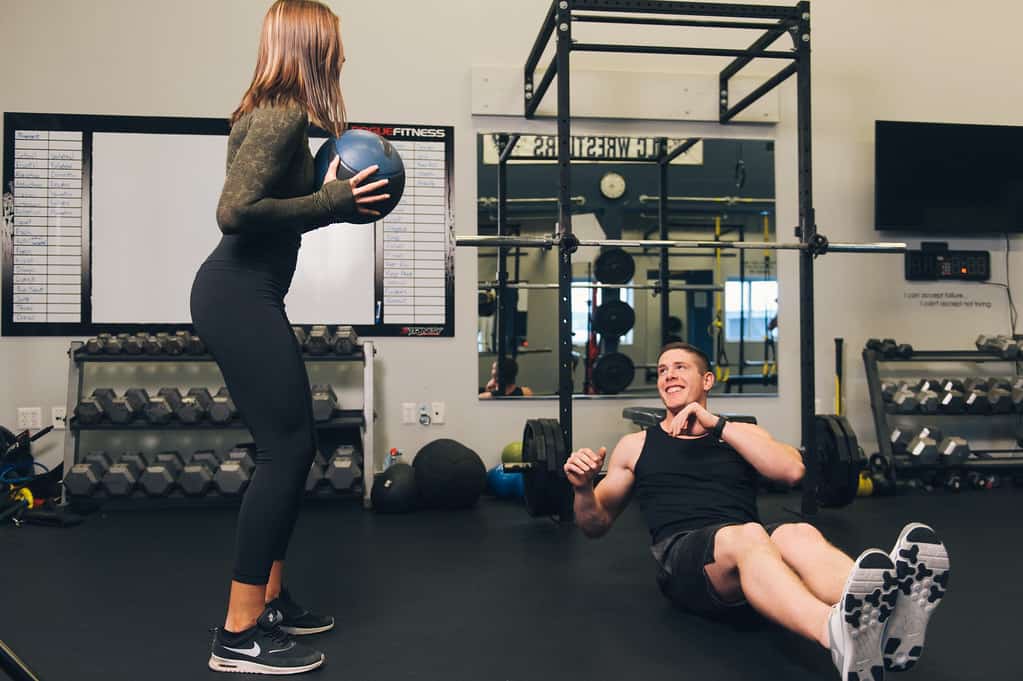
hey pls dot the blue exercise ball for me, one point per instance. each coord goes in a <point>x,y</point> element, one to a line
<point>361,149</point>
<point>505,485</point>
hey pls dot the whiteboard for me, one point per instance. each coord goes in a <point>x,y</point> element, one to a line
<point>107,219</point>
<point>154,201</point>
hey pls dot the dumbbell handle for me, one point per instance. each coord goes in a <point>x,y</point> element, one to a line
<point>517,467</point>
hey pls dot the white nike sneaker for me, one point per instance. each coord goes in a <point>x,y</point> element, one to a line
<point>857,622</point>
<point>922,568</point>
<point>263,649</point>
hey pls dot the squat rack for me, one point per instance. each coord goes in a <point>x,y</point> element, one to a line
<point>773,22</point>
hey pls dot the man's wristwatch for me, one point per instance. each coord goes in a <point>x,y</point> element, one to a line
<point>719,427</point>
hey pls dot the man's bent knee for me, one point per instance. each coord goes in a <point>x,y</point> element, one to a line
<point>735,540</point>
<point>795,536</point>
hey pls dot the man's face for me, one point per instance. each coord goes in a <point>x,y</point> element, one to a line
<point>680,379</point>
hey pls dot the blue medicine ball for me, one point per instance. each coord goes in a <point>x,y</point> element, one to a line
<point>505,485</point>
<point>361,149</point>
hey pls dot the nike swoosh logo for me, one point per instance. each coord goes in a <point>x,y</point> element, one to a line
<point>281,650</point>
<point>252,651</point>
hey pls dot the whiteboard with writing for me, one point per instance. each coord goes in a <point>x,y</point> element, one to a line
<point>107,219</point>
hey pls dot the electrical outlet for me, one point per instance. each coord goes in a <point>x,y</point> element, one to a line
<point>30,418</point>
<point>424,414</point>
<point>408,412</point>
<point>437,413</point>
<point>58,416</point>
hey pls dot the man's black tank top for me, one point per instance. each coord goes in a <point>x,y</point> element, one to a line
<point>686,484</point>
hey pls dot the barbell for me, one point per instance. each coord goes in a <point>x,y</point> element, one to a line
<point>487,285</point>
<point>818,245</point>
<point>548,492</point>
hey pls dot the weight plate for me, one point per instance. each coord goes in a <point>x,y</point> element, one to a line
<point>614,318</point>
<point>614,266</point>
<point>561,494</point>
<point>612,373</point>
<point>838,456</point>
<point>537,476</point>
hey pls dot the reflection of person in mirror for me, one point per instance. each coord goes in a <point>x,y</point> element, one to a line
<point>695,476</point>
<point>507,374</point>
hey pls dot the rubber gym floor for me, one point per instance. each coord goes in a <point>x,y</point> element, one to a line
<point>488,594</point>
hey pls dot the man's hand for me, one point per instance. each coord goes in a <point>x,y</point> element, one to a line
<point>692,420</point>
<point>582,467</point>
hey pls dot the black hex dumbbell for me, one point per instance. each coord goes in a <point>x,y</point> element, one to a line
<point>923,449</point>
<point>905,402</point>
<point>900,438</point>
<point>222,410</point>
<point>928,401</point>
<point>194,406</point>
<point>977,402</point>
<point>115,345</point>
<point>160,476</point>
<point>1000,401</point>
<point>316,474</point>
<point>196,477</point>
<point>343,470</point>
<point>324,402</point>
<point>89,411</point>
<point>176,344</point>
<point>319,340</point>
<point>953,450</point>
<point>345,341</point>
<point>121,410</point>
<point>85,477</point>
<point>244,454</point>
<point>94,346</point>
<point>952,402</point>
<point>195,346</point>
<point>152,345</point>
<point>123,476</point>
<point>137,399</point>
<point>159,410</point>
<point>233,476</point>
<point>135,345</point>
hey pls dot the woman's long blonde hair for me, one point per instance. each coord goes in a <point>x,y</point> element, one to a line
<point>300,58</point>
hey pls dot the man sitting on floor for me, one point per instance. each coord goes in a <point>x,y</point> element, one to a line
<point>695,475</point>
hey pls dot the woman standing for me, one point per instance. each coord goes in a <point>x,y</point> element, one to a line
<point>269,199</point>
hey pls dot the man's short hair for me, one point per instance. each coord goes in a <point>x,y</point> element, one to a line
<point>507,370</point>
<point>692,349</point>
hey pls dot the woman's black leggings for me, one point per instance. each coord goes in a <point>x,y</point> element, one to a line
<point>239,314</point>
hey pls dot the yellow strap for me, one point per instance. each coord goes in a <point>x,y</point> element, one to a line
<point>838,396</point>
<point>23,494</point>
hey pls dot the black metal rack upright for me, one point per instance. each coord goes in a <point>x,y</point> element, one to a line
<point>773,22</point>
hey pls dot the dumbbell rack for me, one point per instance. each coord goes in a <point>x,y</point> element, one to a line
<point>981,460</point>
<point>343,419</point>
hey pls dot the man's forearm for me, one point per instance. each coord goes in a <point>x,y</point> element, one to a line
<point>591,518</point>
<point>774,459</point>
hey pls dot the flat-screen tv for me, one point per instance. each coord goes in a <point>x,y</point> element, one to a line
<point>946,178</point>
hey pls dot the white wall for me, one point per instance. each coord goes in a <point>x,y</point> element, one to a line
<point>410,61</point>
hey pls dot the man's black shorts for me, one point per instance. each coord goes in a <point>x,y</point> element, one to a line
<point>682,578</point>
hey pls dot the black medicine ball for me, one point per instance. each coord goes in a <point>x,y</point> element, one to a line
<point>394,490</point>
<point>449,475</point>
